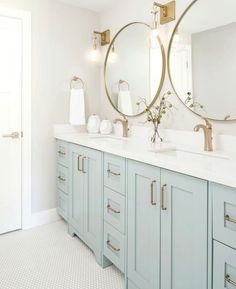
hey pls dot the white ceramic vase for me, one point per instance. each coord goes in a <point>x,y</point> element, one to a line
<point>93,125</point>
<point>106,127</point>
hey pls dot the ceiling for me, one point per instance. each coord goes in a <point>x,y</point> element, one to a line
<point>94,5</point>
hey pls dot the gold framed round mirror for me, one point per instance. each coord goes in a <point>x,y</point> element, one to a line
<point>202,59</point>
<point>134,69</point>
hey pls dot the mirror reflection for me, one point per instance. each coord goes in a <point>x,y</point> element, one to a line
<point>134,69</point>
<point>202,59</point>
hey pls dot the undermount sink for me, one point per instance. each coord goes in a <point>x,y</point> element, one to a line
<point>189,154</point>
<point>108,138</point>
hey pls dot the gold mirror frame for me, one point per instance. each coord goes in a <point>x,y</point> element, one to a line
<point>162,76</point>
<point>168,65</point>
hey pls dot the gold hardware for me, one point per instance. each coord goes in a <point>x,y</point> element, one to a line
<point>113,173</point>
<point>167,11</point>
<point>105,37</point>
<point>123,82</point>
<point>13,135</point>
<point>83,166</point>
<point>78,163</point>
<point>125,125</point>
<point>61,179</point>
<point>112,210</point>
<point>163,207</point>
<point>76,79</point>
<point>228,280</point>
<point>228,219</point>
<point>61,153</point>
<point>112,247</point>
<point>207,129</point>
<point>152,194</point>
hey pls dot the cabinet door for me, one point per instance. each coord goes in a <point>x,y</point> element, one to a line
<point>92,173</point>
<point>76,194</point>
<point>183,232</point>
<point>143,225</point>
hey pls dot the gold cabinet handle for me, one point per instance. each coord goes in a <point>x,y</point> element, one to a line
<point>78,163</point>
<point>109,207</point>
<point>112,247</point>
<point>152,194</point>
<point>61,153</point>
<point>228,280</point>
<point>231,220</point>
<point>83,165</point>
<point>112,173</point>
<point>163,207</point>
<point>60,178</point>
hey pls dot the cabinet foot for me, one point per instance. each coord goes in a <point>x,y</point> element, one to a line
<point>71,231</point>
<point>102,260</point>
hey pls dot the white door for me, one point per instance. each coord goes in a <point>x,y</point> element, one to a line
<point>10,123</point>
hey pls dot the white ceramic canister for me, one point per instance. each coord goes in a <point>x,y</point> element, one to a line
<point>106,127</point>
<point>93,125</point>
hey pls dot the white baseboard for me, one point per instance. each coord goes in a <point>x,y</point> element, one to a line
<point>44,217</point>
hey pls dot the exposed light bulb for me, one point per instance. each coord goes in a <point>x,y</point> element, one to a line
<point>94,54</point>
<point>113,56</point>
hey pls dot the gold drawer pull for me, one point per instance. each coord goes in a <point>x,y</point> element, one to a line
<point>61,153</point>
<point>113,210</point>
<point>112,247</point>
<point>228,280</point>
<point>113,173</point>
<point>152,194</point>
<point>163,207</point>
<point>227,218</point>
<point>61,179</point>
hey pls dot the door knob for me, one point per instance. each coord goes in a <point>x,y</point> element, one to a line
<point>12,135</point>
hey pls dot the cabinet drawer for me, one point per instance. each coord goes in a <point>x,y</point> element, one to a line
<point>114,209</point>
<point>114,246</point>
<point>62,153</point>
<point>62,178</point>
<point>62,204</point>
<point>224,214</point>
<point>224,267</point>
<point>114,173</point>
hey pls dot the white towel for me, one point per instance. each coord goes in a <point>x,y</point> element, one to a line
<point>77,107</point>
<point>124,102</point>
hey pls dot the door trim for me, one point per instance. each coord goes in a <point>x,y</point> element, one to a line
<point>25,18</point>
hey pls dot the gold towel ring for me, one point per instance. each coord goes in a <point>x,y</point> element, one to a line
<point>76,79</point>
<point>123,82</point>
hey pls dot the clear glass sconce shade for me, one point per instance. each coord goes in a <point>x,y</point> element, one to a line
<point>113,56</point>
<point>95,55</point>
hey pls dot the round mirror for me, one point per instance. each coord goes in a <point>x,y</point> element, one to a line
<point>202,59</point>
<point>134,69</point>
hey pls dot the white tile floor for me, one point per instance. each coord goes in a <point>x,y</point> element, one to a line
<point>48,258</point>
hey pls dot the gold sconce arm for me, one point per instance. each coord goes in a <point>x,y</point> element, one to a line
<point>105,37</point>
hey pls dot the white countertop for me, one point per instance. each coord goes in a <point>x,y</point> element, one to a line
<point>218,166</point>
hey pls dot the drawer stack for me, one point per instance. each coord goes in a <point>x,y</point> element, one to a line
<point>114,210</point>
<point>224,235</point>
<point>62,179</point>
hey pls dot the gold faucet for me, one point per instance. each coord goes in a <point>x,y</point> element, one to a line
<point>125,125</point>
<point>207,129</point>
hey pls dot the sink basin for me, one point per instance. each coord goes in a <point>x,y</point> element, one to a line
<point>190,154</point>
<point>108,138</point>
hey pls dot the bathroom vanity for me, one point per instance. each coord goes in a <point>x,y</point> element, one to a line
<point>166,220</point>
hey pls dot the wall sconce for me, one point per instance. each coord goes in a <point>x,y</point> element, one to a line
<point>104,37</point>
<point>113,56</point>
<point>167,11</point>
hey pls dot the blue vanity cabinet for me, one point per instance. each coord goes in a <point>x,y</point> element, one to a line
<point>62,179</point>
<point>184,231</point>
<point>85,197</point>
<point>143,225</point>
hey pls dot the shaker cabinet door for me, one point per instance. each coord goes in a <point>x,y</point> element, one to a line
<point>143,225</point>
<point>183,231</point>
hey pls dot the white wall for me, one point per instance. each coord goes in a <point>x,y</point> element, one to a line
<point>124,12</point>
<point>61,39</point>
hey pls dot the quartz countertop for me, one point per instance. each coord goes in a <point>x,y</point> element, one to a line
<point>218,166</point>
